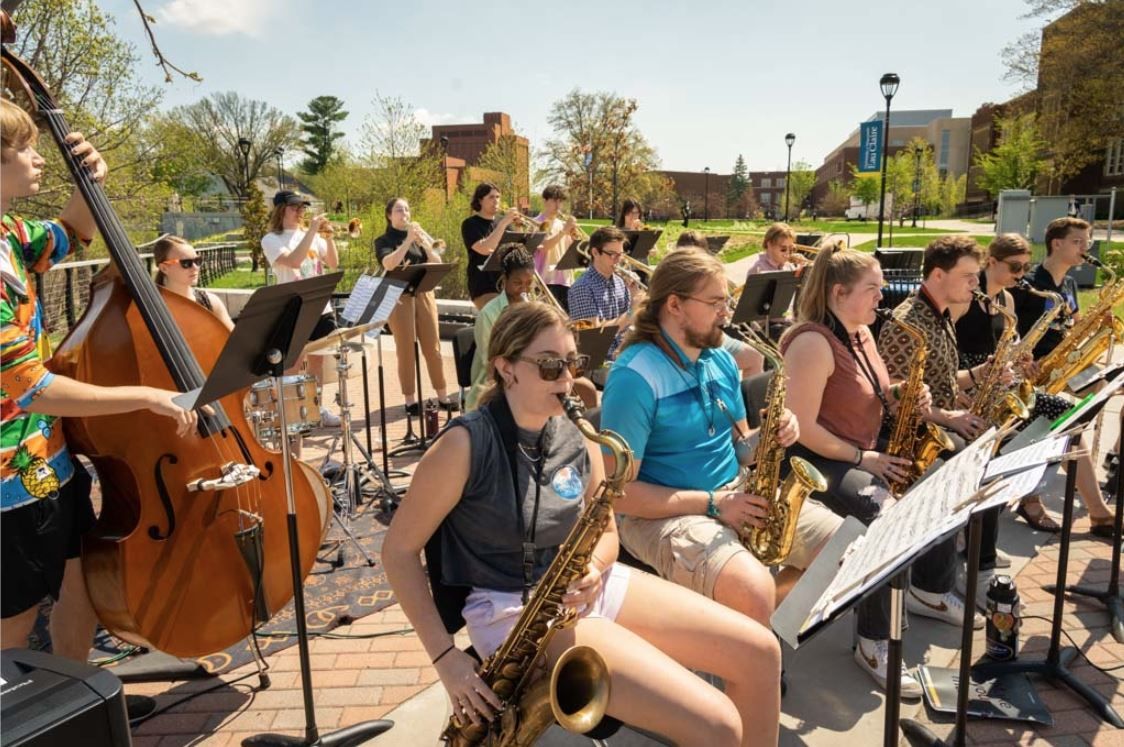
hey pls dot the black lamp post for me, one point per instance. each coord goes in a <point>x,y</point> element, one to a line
<point>244,148</point>
<point>889,84</point>
<point>918,151</point>
<point>706,193</point>
<point>789,139</point>
<point>280,153</point>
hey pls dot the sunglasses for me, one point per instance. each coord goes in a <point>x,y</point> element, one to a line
<point>551,368</point>
<point>186,264</point>
<point>1018,266</point>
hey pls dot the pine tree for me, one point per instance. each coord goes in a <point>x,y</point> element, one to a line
<point>738,186</point>
<point>255,222</point>
<point>320,136</point>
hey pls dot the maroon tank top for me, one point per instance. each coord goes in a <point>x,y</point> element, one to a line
<point>849,408</point>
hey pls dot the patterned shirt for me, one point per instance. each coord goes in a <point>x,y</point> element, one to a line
<point>595,296</point>
<point>940,367</point>
<point>34,462</point>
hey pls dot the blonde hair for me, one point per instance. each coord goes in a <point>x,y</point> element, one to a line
<point>516,328</point>
<point>17,128</point>
<point>276,222</point>
<point>160,251</point>
<point>679,274</point>
<point>779,231</point>
<point>834,265</point>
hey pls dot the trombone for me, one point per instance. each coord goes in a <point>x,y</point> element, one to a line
<point>631,273</point>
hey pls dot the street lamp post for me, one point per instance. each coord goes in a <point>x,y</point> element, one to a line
<point>706,194</point>
<point>889,85</point>
<point>789,139</point>
<point>244,147</point>
<point>280,153</point>
<point>917,153</point>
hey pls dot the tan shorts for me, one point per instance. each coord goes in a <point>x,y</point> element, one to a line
<point>692,550</point>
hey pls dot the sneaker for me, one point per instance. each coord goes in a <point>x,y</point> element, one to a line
<point>982,582</point>
<point>329,419</point>
<point>1002,559</point>
<point>873,658</point>
<point>947,607</point>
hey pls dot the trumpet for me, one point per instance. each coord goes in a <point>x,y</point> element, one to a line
<point>326,230</point>
<point>527,223</point>
<point>577,234</point>
<point>427,242</point>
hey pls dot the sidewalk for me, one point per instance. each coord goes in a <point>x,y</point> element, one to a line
<point>830,702</point>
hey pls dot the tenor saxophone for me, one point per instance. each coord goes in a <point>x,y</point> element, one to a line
<point>1025,348</point>
<point>911,438</point>
<point>772,541</point>
<point>995,402</point>
<point>575,693</point>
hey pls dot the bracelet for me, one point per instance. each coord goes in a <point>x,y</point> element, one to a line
<point>711,506</point>
<point>972,376</point>
<point>858,457</point>
<point>451,647</point>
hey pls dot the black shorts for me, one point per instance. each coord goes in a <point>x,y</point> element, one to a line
<point>38,539</point>
<point>325,326</point>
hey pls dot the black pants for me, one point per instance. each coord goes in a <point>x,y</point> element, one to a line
<point>849,493</point>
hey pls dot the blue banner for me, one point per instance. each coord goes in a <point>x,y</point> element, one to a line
<point>870,146</point>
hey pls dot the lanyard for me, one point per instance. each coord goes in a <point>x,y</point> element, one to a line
<point>528,535</point>
<point>866,368</point>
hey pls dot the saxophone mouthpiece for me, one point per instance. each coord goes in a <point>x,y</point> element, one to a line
<point>572,405</point>
<point>1089,258</point>
<point>884,314</point>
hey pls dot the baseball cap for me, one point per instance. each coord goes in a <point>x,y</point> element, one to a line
<point>287,197</point>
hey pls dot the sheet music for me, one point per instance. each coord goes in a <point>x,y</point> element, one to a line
<point>367,288</point>
<point>926,512</point>
<point>1031,456</point>
<point>1093,401</point>
<point>1082,379</point>
<point>1012,488</point>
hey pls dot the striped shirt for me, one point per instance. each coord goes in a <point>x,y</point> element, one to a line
<point>34,462</point>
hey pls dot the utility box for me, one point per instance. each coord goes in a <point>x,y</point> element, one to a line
<point>1014,211</point>
<point>1042,211</point>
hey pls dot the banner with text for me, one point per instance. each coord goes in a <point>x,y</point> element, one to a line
<point>870,146</point>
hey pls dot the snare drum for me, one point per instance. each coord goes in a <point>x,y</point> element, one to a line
<point>300,395</point>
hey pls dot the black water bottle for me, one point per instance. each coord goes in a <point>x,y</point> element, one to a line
<point>1002,619</point>
<point>431,419</point>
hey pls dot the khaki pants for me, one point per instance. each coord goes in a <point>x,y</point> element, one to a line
<point>423,309</point>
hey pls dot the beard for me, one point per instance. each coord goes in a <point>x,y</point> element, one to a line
<point>708,338</point>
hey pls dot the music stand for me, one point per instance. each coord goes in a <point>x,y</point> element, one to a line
<point>529,241</point>
<point>763,295</point>
<point>595,342</point>
<point>900,259</point>
<point>269,337</point>
<point>417,279</point>
<point>573,258</point>
<point>715,244</point>
<point>640,243</point>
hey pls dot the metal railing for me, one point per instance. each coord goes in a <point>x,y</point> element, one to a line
<point>64,290</point>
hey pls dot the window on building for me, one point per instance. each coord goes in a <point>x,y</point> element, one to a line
<point>766,198</point>
<point>780,182</point>
<point>943,160</point>
<point>766,183</point>
<point>1114,158</point>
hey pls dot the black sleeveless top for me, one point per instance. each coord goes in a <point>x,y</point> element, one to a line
<point>977,332</point>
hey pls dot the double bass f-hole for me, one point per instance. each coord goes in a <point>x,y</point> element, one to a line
<point>165,499</point>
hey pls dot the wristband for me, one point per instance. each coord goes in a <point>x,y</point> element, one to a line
<point>858,457</point>
<point>711,506</point>
<point>451,647</point>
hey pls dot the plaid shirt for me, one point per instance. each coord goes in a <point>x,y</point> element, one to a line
<point>940,367</point>
<point>595,296</point>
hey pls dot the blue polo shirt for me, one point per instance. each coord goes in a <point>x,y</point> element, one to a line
<point>669,414</point>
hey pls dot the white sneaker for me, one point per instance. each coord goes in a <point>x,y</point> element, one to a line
<point>947,607</point>
<point>1002,559</point>
<point>329,419</point>
<point>873,658</point>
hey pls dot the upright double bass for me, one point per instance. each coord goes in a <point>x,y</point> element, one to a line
<point>190,551</point>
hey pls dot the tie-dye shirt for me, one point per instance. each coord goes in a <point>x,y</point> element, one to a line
<point>34,462</point>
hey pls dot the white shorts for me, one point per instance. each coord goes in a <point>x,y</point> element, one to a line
<point>490,615</point>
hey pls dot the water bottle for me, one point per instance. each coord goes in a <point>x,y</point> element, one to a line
<point>431,421</point>
<point>1002,619</point>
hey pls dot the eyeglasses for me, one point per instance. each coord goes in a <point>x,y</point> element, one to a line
<point>551,368</point>
<point>186,264</point>
<point>611,255</point>
<point>1017,266</point>
<point>718,307</point>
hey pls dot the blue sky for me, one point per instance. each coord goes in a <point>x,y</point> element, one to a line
<point>712,79</point>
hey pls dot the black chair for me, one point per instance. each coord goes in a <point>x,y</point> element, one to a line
<point>464,349</point>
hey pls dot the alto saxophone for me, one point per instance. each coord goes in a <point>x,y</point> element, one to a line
<point>1087,340</point>
<point>772,541</point>
<point>911,438</point>
<point>576,692</point>
<point>994,402</point>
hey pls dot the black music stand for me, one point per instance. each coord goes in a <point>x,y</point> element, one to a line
<point>417,279</point>
<point>765,296</point>
<point>640,243</point>
<point>529,241</point>
<point>715,244</point>
<point>269,337</point>
<point>573,258</point>
<point>595,342</point>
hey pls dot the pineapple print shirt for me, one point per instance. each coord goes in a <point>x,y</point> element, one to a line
<point>34,462</point>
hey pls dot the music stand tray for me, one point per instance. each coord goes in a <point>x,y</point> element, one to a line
<point>595,343</point>
<point>529,241</point>
<point>766,295</point>
<point>572,259</point>
<point>640,243</point>
<point>900,259</point>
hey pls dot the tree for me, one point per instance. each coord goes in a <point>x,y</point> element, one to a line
<point>738,186</point>
<point>866,187</point>
<point>837,199</point>
<point>214,126</point>
<point>320,135</point>
<point>345,180</point>
<point>598,129</point>
<point>509,161</point>
<point>390,145</point>
<point>801,180</point>
<point>1016,160</point>
<point>255,223</point>
<point>1076,65</point>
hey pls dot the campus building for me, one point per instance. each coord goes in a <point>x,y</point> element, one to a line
<point>463,145</point>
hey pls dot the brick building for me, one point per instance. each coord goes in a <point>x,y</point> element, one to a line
<point>707,194</point>
<point>463,145</point>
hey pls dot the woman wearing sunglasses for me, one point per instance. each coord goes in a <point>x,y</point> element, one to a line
<point>177,269</point>
<point>519,450</point>
<point>977,334</point>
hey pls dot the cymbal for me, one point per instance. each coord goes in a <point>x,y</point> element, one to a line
<point>338,337</point>
<point>350,345</point>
